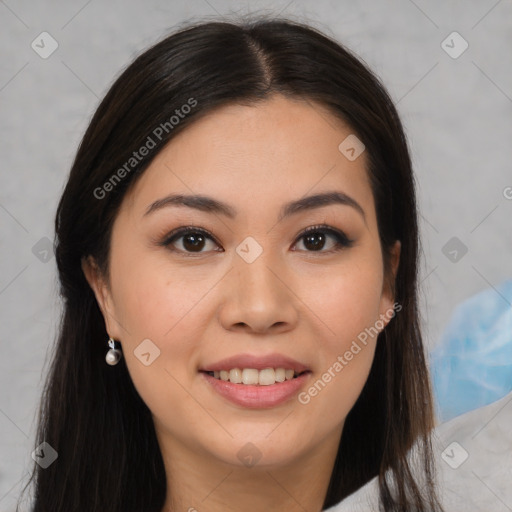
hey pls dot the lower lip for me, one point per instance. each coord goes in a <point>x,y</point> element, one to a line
<point>257,397</point>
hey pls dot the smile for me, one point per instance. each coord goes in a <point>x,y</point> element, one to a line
<point>252,376</point>
<point>250,395</point>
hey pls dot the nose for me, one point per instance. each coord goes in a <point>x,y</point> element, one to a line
<point>258,299</point>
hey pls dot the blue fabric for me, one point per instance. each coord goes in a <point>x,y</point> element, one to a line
<point>472,365</point>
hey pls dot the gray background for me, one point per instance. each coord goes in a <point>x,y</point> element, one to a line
<point>457,113</point>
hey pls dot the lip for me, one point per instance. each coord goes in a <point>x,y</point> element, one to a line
<point>257,362</point>
<point>258,397</point>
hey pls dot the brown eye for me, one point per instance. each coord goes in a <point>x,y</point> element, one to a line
<point>191,240</point>
<point>317,238</point>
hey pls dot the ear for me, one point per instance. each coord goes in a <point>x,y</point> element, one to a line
<point>388,292</point>
<point>102,293</point>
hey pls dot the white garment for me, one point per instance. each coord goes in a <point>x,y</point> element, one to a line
<point>473,454</point>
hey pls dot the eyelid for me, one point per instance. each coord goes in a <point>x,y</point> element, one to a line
<point>183,230</point>
<point>323,227</point>
<point>342,240</point>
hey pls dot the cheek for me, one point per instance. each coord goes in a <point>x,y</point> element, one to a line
<point>152,298</point>
<point>168,307</point>
<point>346,303</point>
<point>154,310</point>
<point>333,393</point>
<point>346,299</point>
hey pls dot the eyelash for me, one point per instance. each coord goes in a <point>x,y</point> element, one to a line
<point>341,240</point>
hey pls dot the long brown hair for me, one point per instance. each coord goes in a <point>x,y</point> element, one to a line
<point>108,455</point>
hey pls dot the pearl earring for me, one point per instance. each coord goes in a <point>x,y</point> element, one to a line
<point>114,354</point>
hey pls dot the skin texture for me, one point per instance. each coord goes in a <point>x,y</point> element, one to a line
<point>306,304</point>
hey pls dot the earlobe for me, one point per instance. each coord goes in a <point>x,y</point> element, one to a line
<point>97,284</point>
<point>91,273</point>
<point>394,263</point>
<point>395,260</point>
<point>388,295</point>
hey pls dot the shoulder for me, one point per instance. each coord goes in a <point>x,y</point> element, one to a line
<point>473,459</point>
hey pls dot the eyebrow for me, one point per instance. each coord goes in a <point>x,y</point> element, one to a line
<point>210,205</point>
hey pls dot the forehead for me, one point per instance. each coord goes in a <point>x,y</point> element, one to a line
<point>257,154</point>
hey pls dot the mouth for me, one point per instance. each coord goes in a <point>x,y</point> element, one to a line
<point>266,393</point>
<point>255,377</point>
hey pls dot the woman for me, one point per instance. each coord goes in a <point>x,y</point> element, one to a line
<point>238,240</point>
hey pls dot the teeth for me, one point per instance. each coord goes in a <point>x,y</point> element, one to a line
<point>235,375</point>
<point>280,374</point>
<point>251,376</point>
<point>267,377</point>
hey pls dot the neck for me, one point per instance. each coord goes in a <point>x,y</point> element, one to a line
<point>197,481</point>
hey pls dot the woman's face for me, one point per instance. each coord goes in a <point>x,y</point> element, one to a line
<point>257,286</point>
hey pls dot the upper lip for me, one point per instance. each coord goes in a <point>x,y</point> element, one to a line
<point>257,362</point>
